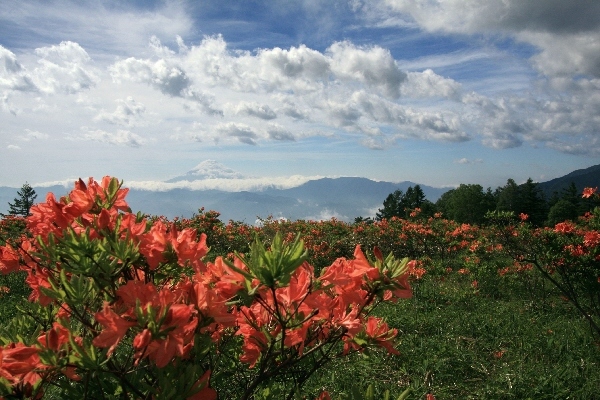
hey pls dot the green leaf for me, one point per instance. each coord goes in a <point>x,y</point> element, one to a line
<point>370,393</point>
<point>404,394</point>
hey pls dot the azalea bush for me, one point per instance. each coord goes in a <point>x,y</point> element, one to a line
<point>566,255</point>
<point>126,306</point>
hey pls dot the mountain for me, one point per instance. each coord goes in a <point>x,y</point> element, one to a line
<point>343,198</point>
<point>209,169</point>
<point>582,178</point>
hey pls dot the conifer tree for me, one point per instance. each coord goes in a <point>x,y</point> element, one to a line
<point>23,203</point>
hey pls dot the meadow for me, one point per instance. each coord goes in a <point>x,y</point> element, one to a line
<point>501,311</point>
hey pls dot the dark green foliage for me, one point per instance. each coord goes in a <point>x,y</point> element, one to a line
<point>523,199</point>
<point>391,206</point>
<point>532,202</point>
<point>23,203</point>
<point>508,197</point>
<point>400,204</point>
<point>467,204</point>
<point>561,211</point>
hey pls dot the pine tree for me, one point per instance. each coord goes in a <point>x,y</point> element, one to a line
<point>23,203</point>
<point>391,206</point>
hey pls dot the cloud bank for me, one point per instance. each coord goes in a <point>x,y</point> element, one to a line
<point>136,83</point>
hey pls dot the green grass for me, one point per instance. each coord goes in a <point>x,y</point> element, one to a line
<point>450,339</point>
<point>450,344</point>
<point>18,292</point>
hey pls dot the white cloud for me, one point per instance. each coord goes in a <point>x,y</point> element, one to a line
<point>12,74</point>
<point>169,79</point>
<point>262,111</point>
<point>428,84</point>
<point>566,32</point>
<point>242,132</point>
<point>566,54</point>
<point>468,161</point>
<point>277,132</point>
<point>182,92</point>
<point>327,214</point>
<point>107,28</point>
<point>119,138</point>
<point>33,135</point>
<point>63,68</point>
<point>226,184</point>
<point>372,66</point>
<point>127,113</point>
<point>13,147</point>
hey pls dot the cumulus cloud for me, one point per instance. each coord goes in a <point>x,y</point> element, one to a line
<point>242,132</point>
<point>346,88</point>
<point>64,68</point>
<point>373,66</point>
<point>12,74</point>
<point>277,132</point>
<point>119,138</point>
<point>428,84</point>
<point>127,113</point>
<point>567,33</point>
<point>262,111</point>
<point>168,79</point>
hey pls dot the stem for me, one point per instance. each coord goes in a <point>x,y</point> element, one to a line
<point>568,293</point>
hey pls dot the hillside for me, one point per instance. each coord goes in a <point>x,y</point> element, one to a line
<point>343,198</point>
<point>588,177</point>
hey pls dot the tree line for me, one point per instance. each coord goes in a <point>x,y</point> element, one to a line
<point>469,203</point>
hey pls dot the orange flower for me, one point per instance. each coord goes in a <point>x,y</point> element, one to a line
<point>9,260</point>
<point>154,243</point>
<point>564,227</point>
<point>589,192</point>
<point>187,248</point>
<point>206,393</point>
<point>523,217</point>
<point>115,328</point>
<point>17,363</point>
<point>383,335</point>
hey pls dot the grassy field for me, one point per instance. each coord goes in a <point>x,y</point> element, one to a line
<point>458,342</point>
<point>467,333</point>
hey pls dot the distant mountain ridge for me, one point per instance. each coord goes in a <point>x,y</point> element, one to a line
<point>582,178</point>
<point>344,198</point>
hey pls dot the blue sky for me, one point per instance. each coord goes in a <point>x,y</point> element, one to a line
<point>435,92</point>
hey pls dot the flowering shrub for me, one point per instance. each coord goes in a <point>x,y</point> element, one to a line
<point>567,255</point>
<point>127,306</point>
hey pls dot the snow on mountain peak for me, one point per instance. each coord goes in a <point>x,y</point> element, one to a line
<point>208,169</point>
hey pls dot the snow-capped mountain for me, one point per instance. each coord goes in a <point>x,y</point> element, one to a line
<point>209,169</point>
